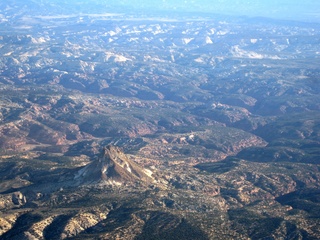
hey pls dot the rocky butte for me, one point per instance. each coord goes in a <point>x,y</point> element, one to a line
<point>113,168</point>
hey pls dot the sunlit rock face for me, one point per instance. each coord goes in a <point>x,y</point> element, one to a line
<point>113,168</point>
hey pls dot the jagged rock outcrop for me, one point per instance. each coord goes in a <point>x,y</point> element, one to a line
<point>113,168</point>
<point>14,199</point>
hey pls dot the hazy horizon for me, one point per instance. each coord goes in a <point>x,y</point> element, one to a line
<point>286,9</point>
<point>308,10</point>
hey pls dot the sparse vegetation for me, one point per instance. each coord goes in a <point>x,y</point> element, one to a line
<point>218,120</point>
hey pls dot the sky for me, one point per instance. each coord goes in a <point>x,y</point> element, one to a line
<point>286,9</point>
<point>305,10</point>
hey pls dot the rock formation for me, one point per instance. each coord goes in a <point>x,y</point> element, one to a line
<point>113,167</point>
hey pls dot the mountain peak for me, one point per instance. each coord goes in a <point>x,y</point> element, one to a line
<point>113,167</point>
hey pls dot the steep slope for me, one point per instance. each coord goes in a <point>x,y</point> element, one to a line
<point>113,167</point>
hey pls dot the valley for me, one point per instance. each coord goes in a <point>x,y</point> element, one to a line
<point>174,126</point>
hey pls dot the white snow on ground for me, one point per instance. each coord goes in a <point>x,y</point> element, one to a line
<point>116,57</point>
<point>199,60</point>
<point>253,40</point>
<point>187,40</point>
<point>208,40</point>
<point>241,53</point>
<point>155,59</point>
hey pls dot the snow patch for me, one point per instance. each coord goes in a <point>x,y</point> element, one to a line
<point>133,39</point>
<point>222,33</point>
<point>191,137</point>
<point>7,54</point>
<point>238,52</point>
<point>38,40</point>
<point>172,58</point>
<point>199,60</point>
<point>59,71</point>
<point>155,59</point>
<point>157,32</point>
<point>120,58</point>
<point>212,31</point>
<point>117,57</point>
<point>3,18</point>
<point>253,40</point>
<point>187,40</point>
<point>24,27</point>
<point>208,40</point>
<point>112,33</point>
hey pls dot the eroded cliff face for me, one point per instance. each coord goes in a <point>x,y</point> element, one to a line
<point>114,168</point>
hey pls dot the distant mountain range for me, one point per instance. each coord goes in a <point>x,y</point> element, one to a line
<point>290,10</point>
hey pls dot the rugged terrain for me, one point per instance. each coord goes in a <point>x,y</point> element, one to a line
<point>211,125</point>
